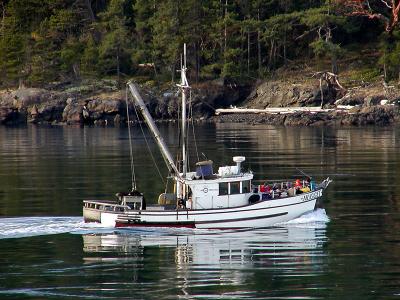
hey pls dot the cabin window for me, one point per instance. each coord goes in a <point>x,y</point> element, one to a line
<point>223,188</point>
<point>235,187</point>
<point>246,186</point>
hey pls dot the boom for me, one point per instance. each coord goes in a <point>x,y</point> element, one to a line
<point>154,130</point>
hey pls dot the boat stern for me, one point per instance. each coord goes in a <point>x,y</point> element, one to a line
<point>101,211</point>
<point>91,214</point>
<point>323,185</point>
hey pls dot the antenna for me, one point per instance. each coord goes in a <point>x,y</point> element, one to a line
<point>184,57</point>
<point>304,173</point>
<point>184,86</point>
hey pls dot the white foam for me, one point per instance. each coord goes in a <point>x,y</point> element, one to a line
<point>314,219</point>
<point>34,226</point>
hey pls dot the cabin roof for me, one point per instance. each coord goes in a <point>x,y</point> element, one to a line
<point>216,178</point>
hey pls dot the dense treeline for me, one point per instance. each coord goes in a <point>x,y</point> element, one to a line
<point>57,40</point>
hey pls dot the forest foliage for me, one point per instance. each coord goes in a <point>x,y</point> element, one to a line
<point>45,41</point>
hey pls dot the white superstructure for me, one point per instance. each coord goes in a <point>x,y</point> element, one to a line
<point>204,198</point>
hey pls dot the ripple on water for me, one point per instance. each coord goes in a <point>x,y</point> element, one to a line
<point>165,262</point>
<point>35,226</point>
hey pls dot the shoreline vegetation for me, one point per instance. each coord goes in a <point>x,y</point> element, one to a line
<point>66,61</point>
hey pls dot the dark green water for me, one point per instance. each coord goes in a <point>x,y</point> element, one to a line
<point>47,252</point>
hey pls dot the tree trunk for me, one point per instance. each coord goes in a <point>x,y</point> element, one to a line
<point>21,83</point>
<point>286,8</point>
<point>258,46</point>
<point>155,70</point>
<point>75,68</point>
<point>322,92</point>
<point>242,45</point>
<point>90,10</point>
<point>284,48</point>
<point>3,9</point>
<point>196,55</point>
<point>335,69</point>
<point>118,70</point>
<point>248,52</point>
<point>271,53</point>
<point>384,67</point>
<point>225,29</point>
<point>398,81</point>
<point>173,73</point>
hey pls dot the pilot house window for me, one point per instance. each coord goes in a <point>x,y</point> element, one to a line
<point>246,186</point>
<point>235,187</point>
<point>223,188</point>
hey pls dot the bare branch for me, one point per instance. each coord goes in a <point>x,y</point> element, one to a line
<point>387,12</point>
<point>387,4</point>
<point>3,9</point>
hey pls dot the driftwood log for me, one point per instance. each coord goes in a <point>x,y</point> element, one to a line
<point>332,81</point>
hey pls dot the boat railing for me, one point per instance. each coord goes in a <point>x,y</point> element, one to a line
<point>104,205</point>
<point>281,188</point>
<point>269,181</point>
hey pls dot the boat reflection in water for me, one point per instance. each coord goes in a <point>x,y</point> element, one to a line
<point>211,264</point>
<point>276,245</point>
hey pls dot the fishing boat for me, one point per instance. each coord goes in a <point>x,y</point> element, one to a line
<point>204,198</point>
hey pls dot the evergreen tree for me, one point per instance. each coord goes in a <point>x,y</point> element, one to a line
<point>390,59</point>
<point>90,57</point>
<point>47,40</point>
<point>143,14</point>
<point>210,60</point>
<point>324,22</point>
<point>166,38</point>
<point>233,38</point>
<point>70,56</point>
<point>55,51</point>
<point>12,54</point>
<point>116,45</point>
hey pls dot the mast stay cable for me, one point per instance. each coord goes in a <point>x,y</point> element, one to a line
<point>133,175</point>
<point>154,130</point>
<point>148,146</point>
<point>192,121</point>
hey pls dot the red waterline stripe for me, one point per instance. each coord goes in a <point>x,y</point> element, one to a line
<point>169,225</point>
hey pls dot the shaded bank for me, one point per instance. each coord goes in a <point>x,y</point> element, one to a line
<point>102,103</point>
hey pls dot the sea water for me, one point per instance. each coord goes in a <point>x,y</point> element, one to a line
<point>347,250</point>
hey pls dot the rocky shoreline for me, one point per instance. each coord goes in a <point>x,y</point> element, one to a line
<point>102,103</point>
<point>376,115</point>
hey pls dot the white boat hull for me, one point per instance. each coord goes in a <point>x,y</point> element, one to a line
<point>204,199</point>
<point>260,214</point>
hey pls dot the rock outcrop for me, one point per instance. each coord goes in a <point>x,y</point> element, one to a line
<point>284,94</point>
<point>379,115</point>
<point>87,105</point>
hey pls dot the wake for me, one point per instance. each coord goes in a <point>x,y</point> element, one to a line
<point>313,219</point>
<point>35,226</point>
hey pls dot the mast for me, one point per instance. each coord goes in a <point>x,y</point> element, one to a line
<point>154,130</point>
<point>184,86</point>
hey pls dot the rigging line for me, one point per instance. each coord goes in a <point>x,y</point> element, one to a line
<point>166,185</point>
<point>148,146</point>
<point>208,104</point>
<point>187,138</point>
<point>194,133</point>
<point>133,175</point>
<point>178,153</point>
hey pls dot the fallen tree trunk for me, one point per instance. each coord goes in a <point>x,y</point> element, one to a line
<point>281,110</point>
